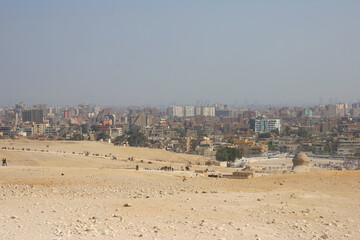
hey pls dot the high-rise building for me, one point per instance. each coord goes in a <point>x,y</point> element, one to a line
<point>222,111</point>
<point>265,125</point>
<point>189,111</point>
<point>19,108</point>
<point>176,111</point>
<point>34,115</point>
<point>198,111</point>
<point>84,109</point>
<point>208,111</point>
<point>97,110</point>
<point>42,107</point>
<point>249,114</point>
<point>67,114</point>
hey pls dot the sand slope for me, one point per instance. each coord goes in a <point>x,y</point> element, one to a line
<point>60,196</point>
<point>100,148</point>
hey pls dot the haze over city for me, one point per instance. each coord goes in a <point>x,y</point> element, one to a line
<point>160,52</point>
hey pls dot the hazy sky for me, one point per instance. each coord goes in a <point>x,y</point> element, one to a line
<point>161,52</point>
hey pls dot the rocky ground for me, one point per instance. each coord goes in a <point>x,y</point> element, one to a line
<point>59,200</point>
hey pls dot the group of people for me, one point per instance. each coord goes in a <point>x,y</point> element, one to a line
<point>4,163</point>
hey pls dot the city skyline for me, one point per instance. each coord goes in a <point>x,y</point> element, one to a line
<point>119,53</point>
<point>255,106</point>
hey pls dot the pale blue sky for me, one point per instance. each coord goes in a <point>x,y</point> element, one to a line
<point>160,52</point>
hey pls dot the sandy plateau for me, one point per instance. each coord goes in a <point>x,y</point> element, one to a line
<point>51,190</point>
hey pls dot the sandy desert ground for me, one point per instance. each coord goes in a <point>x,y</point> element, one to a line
<point>54,191</point>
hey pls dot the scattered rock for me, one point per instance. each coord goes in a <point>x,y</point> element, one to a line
<point>325,236</point>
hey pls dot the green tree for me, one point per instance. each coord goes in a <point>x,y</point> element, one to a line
<point>76,137</point>
<point>222,155</point>
<point>121,138</point>
<point>133,129</point>
<point>228,154</point>
<point>85,128</point>
<point>94,128</point>
<point>103,136</point>
<point>138,139</point>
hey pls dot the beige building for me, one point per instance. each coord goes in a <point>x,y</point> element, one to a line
<point>39,129</point>
<point>116,132</point>
<point>248,147</point>
<point>348,146</point>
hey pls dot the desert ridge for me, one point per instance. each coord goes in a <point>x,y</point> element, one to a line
<point>65,151</point>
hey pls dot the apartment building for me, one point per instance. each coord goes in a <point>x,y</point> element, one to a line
<point>189,111</point>
<point>34,115</point>
<point>176,111</point>
<point>265,125</point>
<point>348,146</point>
<point>208,111</point>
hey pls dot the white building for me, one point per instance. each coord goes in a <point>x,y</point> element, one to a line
<point>198,111</point>
<point>189,111</point>
<point>115,132</point>
<point>265,125</point>
<point>208,111</point>
<point>177,111</point>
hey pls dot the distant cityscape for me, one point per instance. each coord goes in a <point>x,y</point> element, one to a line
<point>324,129</point>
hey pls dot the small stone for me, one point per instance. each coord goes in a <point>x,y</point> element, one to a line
<point>127,205</point>
<point>117,216</point>
<point>325,236</point>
